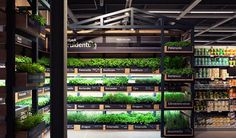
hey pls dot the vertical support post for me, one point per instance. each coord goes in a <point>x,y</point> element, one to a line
<point>101,21</point>
<point>192,84</point>
<point>132,17</point>
<point>58,69</point>
<point>162,77</point>
<point>10,65</point>
<point>35,91</point>
<point>35,7</point>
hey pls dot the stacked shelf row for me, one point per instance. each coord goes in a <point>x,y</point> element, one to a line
<point>215,102</point>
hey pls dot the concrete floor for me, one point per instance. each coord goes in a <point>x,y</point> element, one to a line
<point>142,134</point>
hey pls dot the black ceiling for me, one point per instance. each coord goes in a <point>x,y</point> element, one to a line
<point>85,9</point>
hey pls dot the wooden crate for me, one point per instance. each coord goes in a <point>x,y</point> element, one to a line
<point>32,133</point>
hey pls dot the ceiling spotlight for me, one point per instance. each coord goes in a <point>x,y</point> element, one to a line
<point>172,23</point>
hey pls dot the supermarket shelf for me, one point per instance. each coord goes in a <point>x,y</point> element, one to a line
<point>212,99</point>
<point>215,56</point>
<point>214,129</point>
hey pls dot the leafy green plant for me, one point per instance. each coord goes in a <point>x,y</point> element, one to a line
<point>175,120</point>
<point>83,81</point>
<point>40,19</point>
<point>118,98</point>
<point>29,122</point>
<point>30,68</point>
<point>23,59</point>
<point>44,61</point>
<point>2,83</point>
<point>183,71</point>
<point>179,43</point>
<point>42,101</point>
<point>176,97</point>
<point>153,80</point>
<point>117,81</point>
<point>123,118</point>
<point>176,62</point>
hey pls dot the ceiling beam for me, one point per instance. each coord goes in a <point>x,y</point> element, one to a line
<point>216,25</point>
<point>220,39</point>
<point>71,15</point>
<point>188,9</point>
<point>45,4</point>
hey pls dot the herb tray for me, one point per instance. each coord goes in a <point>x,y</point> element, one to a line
<point>178,49</point>
<point>32,133</point>
<point>102,107</point>
<point>25,23</point>
<point>130,127</point>
<point>29,80</point>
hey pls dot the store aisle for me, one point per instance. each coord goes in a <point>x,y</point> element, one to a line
<point>143,134</point>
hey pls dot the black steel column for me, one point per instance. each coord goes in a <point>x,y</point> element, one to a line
<point>35,91</point>
<point>192,84</point>
<point>10,65</point>
<point>35,7</point>
<point>58,68</point>
<point>162,77</point>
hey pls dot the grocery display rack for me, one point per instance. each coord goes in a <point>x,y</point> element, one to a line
<point>214,86</point>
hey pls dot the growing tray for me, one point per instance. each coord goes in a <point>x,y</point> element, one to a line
<point>129,107</point>
<point>176,105</point>
<point>130,127</point>
<point>178,132</point>
<point>29,80</point>
<point>25,23</point>
<point>169,77</point>
<point>32,133</point>
<point>178,49</point>
<point>22,112</point>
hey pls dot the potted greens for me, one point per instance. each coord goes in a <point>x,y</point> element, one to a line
<point>30,127</point>
<point>30,23</point>
<point>177,69</point>
<point>177,124</point>
<point>29,74</point>
<point>177,100</point>
<point>178,47</point>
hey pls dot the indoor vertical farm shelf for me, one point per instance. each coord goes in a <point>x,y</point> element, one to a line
<point>130,79</point>
<point>215,88</point>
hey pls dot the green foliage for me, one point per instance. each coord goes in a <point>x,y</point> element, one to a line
<point>183,71</point>
<point>40,19</point>
<point>117,81</point>
<point>177,97</point>
<point>178,44</point>
<point>176,62</point>
<point>30,68</point>
<point>153,63</point>
<point>175,120</point>
<point>124,118</point>
<point>83,81</point>
<point>23,59</point>
<point>153,80</point>
<point>29,122</point>
<point>46,118</point>
<point>84,99</point>
<point>42,101</point>
<point>119,98</point>
<point>44,61</point>
<point>2,83</point>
